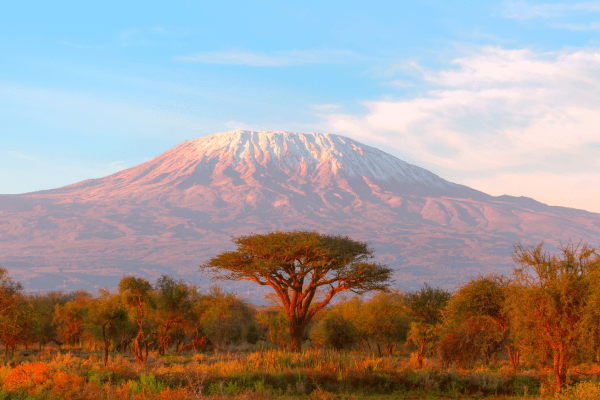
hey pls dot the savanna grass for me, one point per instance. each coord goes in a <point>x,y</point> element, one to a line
<point>268,375</point>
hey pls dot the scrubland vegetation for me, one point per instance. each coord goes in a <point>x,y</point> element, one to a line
<point>533,334</point>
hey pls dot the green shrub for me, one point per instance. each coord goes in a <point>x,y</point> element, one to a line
<point>580,391</point>
<point>102,376</point>
<point>252,334</point>
<point>334,331</point>
<point>490,382</point>
<point>147,384</point>
<point>524,385</point>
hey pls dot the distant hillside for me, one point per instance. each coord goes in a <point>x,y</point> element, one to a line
<point>171,213</point>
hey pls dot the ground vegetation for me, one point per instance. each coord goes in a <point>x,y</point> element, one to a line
<point>535,333</point>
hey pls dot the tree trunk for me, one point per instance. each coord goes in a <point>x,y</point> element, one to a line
<point>560,367</point>
<point>162,343</point>
<point>137,348</point>
<point>296,332</point>
<point>513,357</point>
<point>421,353</point>
<point>296,342</point>
<point>107,343</point>
<point>106,347</point>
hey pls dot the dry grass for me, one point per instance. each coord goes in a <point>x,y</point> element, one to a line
<point>271,374</point>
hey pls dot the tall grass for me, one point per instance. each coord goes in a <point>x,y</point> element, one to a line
<point>266,375</point>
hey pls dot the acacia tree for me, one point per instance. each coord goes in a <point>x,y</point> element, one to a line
<point>299,264</point>
<point>551,296</point>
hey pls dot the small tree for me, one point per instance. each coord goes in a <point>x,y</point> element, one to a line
<point>16,314</point>
<point>224,317</point>
<point>107,318</point>
<point>590,324</point>
<point>355,311</point>
<point>550,298</point>
<point>480,306</point>
<point>173,307</point>
<point>44,305</point>
<point>276,326</point>
<point>137,295</point>
<point>425,306</point>
<point>297,265</point>
<point>335,331</point>
<point>387,320</point>
<point>69,318</point>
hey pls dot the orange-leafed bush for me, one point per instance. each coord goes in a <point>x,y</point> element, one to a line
<point>37,377</point>
<point>27,377</point>
<point>67,386</point>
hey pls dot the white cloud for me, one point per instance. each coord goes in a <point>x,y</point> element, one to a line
<point>529,10</point>
<point>274,59</point>
<point>499,119</point>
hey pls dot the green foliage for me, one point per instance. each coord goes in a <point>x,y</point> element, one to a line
<point>589,327</point>
<point>109,311</point>
<point>44,305</point>
<point>464,342</point>
<point>484,296</point>
<point>334,331</point>
<point>136,292</point>
<point>524,385</point>
<point>173,307</point>
<point>425,306</point>
<point>252,335</point>
<point>276,325</point>
<point>476,320</point>
<point>148,383</point>
<point>69,318</point>
<point>580,391</point>
<point>385,318</point>
<point>137,295</point>
<point>107,319</point>
<point>223,317</point>
<point>100,377</point>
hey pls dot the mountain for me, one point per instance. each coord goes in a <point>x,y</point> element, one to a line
<point>173,212</point>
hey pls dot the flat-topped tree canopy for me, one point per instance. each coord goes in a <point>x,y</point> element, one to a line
<point>298,265</point>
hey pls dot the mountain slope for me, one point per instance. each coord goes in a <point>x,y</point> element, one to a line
<point>170,213</point>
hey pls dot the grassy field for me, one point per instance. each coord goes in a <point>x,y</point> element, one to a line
<point>272,374</point>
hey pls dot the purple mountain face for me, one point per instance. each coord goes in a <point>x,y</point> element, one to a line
<point>170,214</point>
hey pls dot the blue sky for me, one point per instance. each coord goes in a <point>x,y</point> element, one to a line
<point>501,96</point>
